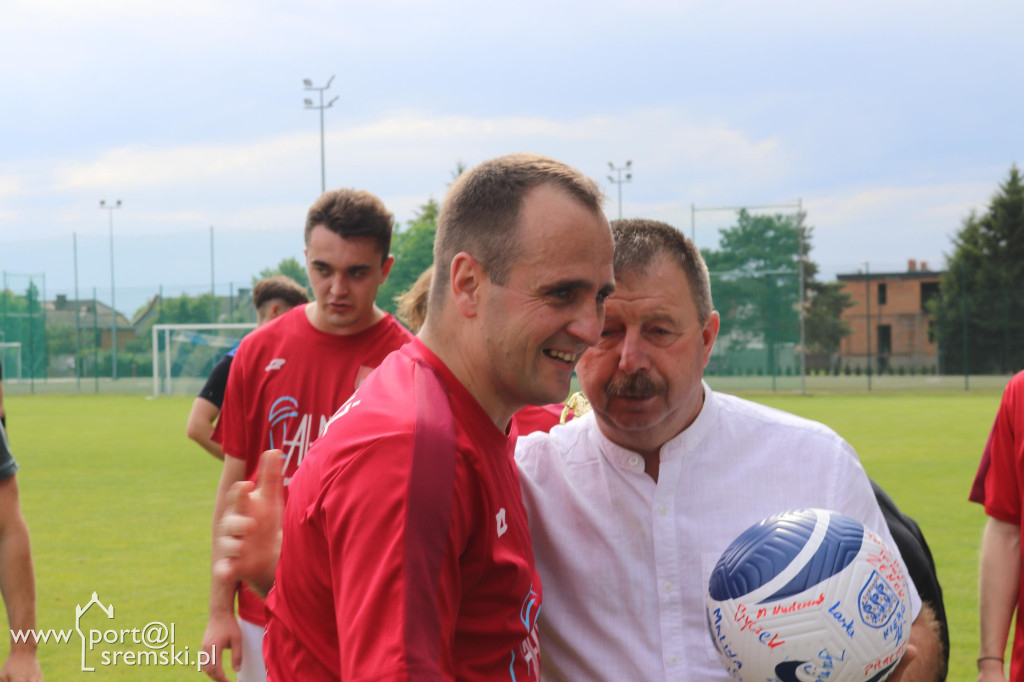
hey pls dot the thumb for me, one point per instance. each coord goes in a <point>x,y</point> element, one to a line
<point>270,477</point>
<point>236,653</point>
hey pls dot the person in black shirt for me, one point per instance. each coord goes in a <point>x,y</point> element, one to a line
<point>920,565</point>
<point>271,297</point>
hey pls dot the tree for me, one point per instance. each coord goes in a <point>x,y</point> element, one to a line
<point>979,314</point>
<point>22,320</point>
<point>413,249</point>
<point>824,328</point>
<point>754,283</point>
<point>290,267</point>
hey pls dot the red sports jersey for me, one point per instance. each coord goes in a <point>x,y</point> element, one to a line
<point>540,418</point>
<point>406,548</point>
<point>286,380</point>
<point>977,493</point>
<point>1003,499</point>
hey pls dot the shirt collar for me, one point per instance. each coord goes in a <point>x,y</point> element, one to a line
<point>686,441</point>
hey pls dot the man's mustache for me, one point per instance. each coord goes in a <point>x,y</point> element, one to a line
<point>635,386</point>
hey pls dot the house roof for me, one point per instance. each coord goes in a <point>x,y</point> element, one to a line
<point>62,312</point>
<point>913,274</point>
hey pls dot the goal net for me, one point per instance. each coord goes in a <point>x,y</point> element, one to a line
<point>184,354</point>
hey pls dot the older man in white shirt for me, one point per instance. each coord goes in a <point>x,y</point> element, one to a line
<point>631,506</point>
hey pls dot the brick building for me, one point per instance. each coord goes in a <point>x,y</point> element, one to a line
<point>890,323</point>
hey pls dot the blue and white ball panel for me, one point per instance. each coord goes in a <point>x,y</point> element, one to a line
<point>808,595</point>
<point>785,555</point>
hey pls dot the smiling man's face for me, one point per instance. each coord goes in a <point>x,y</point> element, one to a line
<point>550,307</point>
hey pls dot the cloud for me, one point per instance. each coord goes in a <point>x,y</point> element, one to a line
<point>404,142</point>
<point>10,185</point>
<point>131,167</point>
<point>891,224</point>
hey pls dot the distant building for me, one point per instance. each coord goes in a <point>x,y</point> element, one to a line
<point>889,320</point>
<point>91,315</point>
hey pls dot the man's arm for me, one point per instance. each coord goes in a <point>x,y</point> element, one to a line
<point>200,426</point>
<point>998,587</point>
<point>207,406</point>
<point>222,630</point>
<point>17,582</point>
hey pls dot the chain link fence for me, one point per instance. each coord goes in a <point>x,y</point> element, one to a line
<point>57,341</point>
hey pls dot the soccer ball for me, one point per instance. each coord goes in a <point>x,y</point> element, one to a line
<point>809,595</point>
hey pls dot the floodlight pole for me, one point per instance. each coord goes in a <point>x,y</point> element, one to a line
<point>113,308</point>
<point>618,180</point>
<point>213,296</point>
<point>309,105</point>
<point>802,256</point>
<point>867,300</point>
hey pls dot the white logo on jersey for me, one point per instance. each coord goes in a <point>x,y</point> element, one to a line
<point>502,526</point>
<point>342,411</point>
<point>276,363</point>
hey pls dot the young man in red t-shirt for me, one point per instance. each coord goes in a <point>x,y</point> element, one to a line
<point>405,549</point>
<point>291,374</point>
<point>1001,580</point>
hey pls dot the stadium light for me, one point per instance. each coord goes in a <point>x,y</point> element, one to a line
<point>308,85</point>
<point>619,179</point>
<point>867,301</point>
<point>109,208</point>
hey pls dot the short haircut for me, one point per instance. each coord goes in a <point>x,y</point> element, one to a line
<point>412,305</point>
<point>351,213</point>
<point>278,286</point>
<point>638,242</point>
<point>480,215</point>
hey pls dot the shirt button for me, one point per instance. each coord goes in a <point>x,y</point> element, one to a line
<point>634,460</point>
<point>673,659</point>
<point>662,510</point>
<point>667,586</point>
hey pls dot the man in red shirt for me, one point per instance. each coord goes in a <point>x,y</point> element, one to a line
<point>1001,580</point>
<point>291,374</point>
<point>405,548</point>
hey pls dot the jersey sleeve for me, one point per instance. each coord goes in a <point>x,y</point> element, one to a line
<point>393,519</point>
<point>213,389</point>
<point>231,431</point>
<point>1002,487</point>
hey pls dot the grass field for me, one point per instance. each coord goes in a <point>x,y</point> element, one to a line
<point>118,503</point>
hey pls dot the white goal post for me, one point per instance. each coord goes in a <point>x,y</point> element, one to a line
<point>5,347</point>
<point>215,339</point>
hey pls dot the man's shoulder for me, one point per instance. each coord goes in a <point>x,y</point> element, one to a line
<point>402,390</point>
<point>401,408</point>
<point>392,328</point>
<point>739,412</point>
<point>565,443</point>
<point>1015,388</point>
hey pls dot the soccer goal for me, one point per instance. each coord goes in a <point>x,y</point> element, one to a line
<point>184,354</point>
<point>10,359</point>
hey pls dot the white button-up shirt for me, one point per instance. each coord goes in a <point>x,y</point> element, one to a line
<point>624,561</point>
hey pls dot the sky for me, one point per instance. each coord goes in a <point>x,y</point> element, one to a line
<point>887,122</point>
